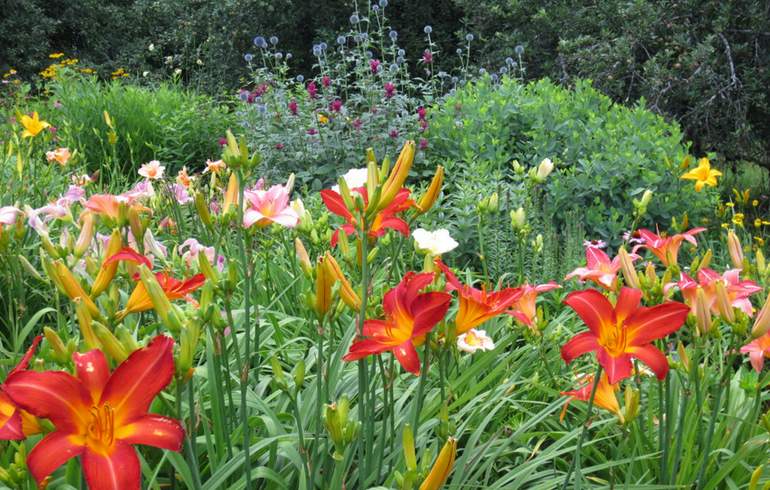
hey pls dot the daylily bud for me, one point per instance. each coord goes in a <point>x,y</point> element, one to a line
<point>290,183</point>
<point>372,177</point>
<point>398,175</point>
<point>61,354</point>
<point>231,194</point>
<point>303,257</point>
<point>344,243</point>
<point>442,467</point>
<point>761,264</point>
<point>232,275</point>
<point>107,272</point>
<point>518,219</point>
<point>73,289</point>
<point>735,249</point>
<point>212,276</point>
<point>137,228</point>
<point>323,288</point>
<point>408,444</point>
<point>299,375</point>
<point>706,260</point>
<point>631,408</point>
<point>347,197</point>
<point>646,198</point>
<point>629,271</point>
<point>202,208</point>
<point>27,266</point>
<point>649,273</point>
<point>207,296</point>
<point>278,376</point>
<point>347,293</point>
<point>493,203</point>
<point>543,170</point>
<point>49,247</point>
<point>702,312</point>
<point>723,302</point>
<point>86,234</point>
<point>86,325</point>
<point>110,344</point>
<point>762,321</point>
<point>187,343</point>
<point>683,357</point>
<point>429,198</point>
<point>126,339</point>
<point>160,301</point>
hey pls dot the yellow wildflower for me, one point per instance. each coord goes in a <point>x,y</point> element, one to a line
<point>322,119</point>
<point>757,223</point>
<point>738,219</point>
<point>703,175</point>
<point>32,125</point>
<point>55,56</point>
<point>755,202</point>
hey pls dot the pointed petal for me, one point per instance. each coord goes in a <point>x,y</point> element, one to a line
<point>649,324</point>
<point>24,362</point>
<point>135,383</point>
<point>335,203</point>
<point>130,255</point>
<point>452,282</point>
<point>650,355</point>
<point>191,284</point>
<point>118,470</point>
<point>54,395</point>
<point>757,359</point>
<point>396,224</point>
<point>579,345</point>
<point>595,257</point>
<point>592,307</point>
<point>153,430</point>
<point>428,310</point>
<point>362,348</point>
<point>407,356</point>
<point>52,451</point>
<point>628,303</point>
<point>617,368</point>
<point>10,420</point>
<point>93,370</point>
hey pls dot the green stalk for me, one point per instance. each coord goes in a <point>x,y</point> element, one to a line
<point>301,436</point>
<point>244,374</point>
<point>421,385</point>
<point>190,436</point>
<point>683,399</point>
<point>575,465</point>
<point>362,372</point>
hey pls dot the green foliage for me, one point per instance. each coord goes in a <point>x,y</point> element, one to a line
<point>604,154</point>
<point>167,123</point>
<point>702,63</point>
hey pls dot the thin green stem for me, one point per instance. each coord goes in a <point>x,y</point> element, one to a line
<point>245,368</point>
<point>575,464</point>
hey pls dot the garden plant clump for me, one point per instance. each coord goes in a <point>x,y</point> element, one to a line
<point>368,278</point>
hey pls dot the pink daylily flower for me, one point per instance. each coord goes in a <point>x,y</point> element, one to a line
<point>599,268</point>
<point>738,291</point>
<point>152,170</point>
<point>666,248</point>
<point>757,350</point>
<point>264,207</point>
<point>9,214</point>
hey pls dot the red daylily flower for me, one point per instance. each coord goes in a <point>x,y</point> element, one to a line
<point>666,249</point>
<point>384,220</point>
<point>99,416</point>
<point>525,309</point>
<point>139,300</point>
<point>15,423</point>
<point>599,268</point>
<point>409,315</point>
<point>622,332</point>
<point>476,305</point>
<point>738,291</point>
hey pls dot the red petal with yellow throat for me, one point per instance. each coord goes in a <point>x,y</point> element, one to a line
<point>153,430</point>
<point>52,451</point>
<point>54,395</point>
<point>593,308</point>
<point>118,470</point>
<point>135,383</point>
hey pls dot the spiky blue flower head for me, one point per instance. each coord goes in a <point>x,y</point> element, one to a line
<point>427,29</point>
<point>316,50</point>
<point>278,55</point>
<point>288,56</point>
<point>519,49</point>
<point>393,35</point>
<point>459,51</point>
<point>375,8</point>
<point>341,40</point>
<point>273,40</point>
<point>324,46</point>
<point>354,19</point>
<point>260,42</point>
<point>394,67</point>
<point>469,37</point>
<point>248,57</point>
<point>300,78</point>
<point>383,3</point>
<point>509,61</point>
<point>401,53</point>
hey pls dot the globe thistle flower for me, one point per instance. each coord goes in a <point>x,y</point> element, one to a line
<point>273,40</point>
<point>317,50</point>
<point>375,8</point>
<point>469,37</point>
<point>427,29</point>
<point>459,52</point>
<point>393,35</point>
<point>300,78</point>
<point>519,49</point>
<point>509,61</point>
<point>383,3</point>
<point>288,56</point>
<point>354,19</point>
<point>248,57</point>
<point>394,67</point>
<point>400,53</point>
<point>323,46</point>
<point>341,40</point>
<point>260,42</point>
<point>278,55</point>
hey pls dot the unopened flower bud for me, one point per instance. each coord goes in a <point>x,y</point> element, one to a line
<point>86,234</point>
<point>762,321</point>
<point>442,467</point>
<point>702,312</point>
<point>518,219</point>
<point>723,301</point>
<point>735,249</point>
<point>429,198</point>
<point>629,271</point>
<point>110,344</point>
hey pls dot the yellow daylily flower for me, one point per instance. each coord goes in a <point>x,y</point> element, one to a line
<point>32,125</point>
<point>703,175</point>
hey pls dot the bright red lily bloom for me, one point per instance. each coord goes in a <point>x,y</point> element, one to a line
<point>666,249</point>
<point>17,424</point>
<point>476,305</point>
<point>758,349</point>
<point>622,332</point>
<point>525,309</point>
<point>139,300</point>
<point>604,398</point>
<point>99,416</point>
<point>599,268</point>
<point>738,291</point>
<point>409,315</point>
<point>383,220</point>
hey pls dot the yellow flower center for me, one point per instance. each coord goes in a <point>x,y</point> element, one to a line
<point>614,340</point>
<point>100,432</point>
<point>472,339</point>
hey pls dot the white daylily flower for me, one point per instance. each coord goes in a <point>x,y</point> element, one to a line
<point>474,340</point>
<point>434,242</point>
<point>355,177</point>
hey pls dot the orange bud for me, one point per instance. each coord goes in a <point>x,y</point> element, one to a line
<point>762,321</point>
<point>347,293</point>
<point>107,272</point>
<point>398,175</point>
<point>231,194</point>
<point>323,288</point>
<point>302,256</point>
<point>429,198</point>
<point>86,234</point>
<point>442,467</point>
<point>629,271</point>
<point>723,302</point>
<point>702,312</point>
<point>86,325</point>
<point>72,288</point>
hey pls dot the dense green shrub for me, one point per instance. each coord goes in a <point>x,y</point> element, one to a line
<point>605,155</point>
<point>703,63</point>
<point>168,123</point>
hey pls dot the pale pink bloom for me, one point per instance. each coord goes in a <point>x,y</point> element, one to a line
<point>34,221</point>
<point>525,309</point>
<point>152,170</point>
<point>60,155</point>
<point>474,340</point>
<point>738,291</point>
<point>594,243</point>
<point>758,349</point>
<point>190,249</point>
<point>666,248</point>
<point>153,246</point>
<point>142,190</point>
<point>8,215</point>
<point>214,166</point>
<point>599,268</point>
<point>264,207</point>
<point>181,195</point>
<point>82,180</point>
<point>74,194</point>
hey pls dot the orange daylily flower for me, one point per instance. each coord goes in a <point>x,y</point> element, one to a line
<point>622,332</point>
<point>15,423</point>
<point>385,219</point>
<point>477,305</point>
<point>525,309</point>
<point>603,398</point>
<point>100,416</point>
<point>666,248</point>
<point>409,315</point>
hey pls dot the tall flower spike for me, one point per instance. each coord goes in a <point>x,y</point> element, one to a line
<point>621,332</point>
<point>477,305</point>
<point>100,416</point>
<point>409,315</point>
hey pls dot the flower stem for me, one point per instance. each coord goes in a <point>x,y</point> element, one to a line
<point>575,465</point>
<point>245,368</point>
